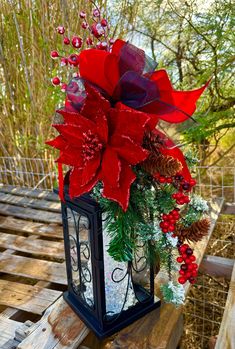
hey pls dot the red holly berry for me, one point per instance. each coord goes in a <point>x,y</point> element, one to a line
<point>187,260</point>
<point>194,273</point>
<point>190,267</point>
<point>181,272</point>
<point>85,25</point>
<point>162,179</point>
<point>63,87</point>
<point>97,30</point>
<point>171,227</point>
<point>63,61</point>
<point>179,259</point>
<point>82,14</point>
<point>165,230</point>
<point>89,41</point>
<point>192,182</point>
<point>182,280</point>
<point>104,22</point>
<point>77,42</point>
<point>66,40</point>
<point>184,267</point>
<point>56,81</point>
<point>188,274</point>
<point>54,54</point>
<point>73,59</point>
<point>192,258</point>
<point>96,12</point>
<point>60,30</point>
<point>164,216</point>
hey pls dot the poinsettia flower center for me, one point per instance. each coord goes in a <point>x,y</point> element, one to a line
<point>91,145</point>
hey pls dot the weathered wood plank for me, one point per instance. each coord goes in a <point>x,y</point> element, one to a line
<point>226,337</point>
<point>29,214</point>
<point>59,328</point>
<point>11,224</point>
<point>33,268</point>
<point>31,193</point>
<point>29,298</point>
<point>37,247</point>
<point>44,205</point>
<point>7,331</point>
<point>217,266</point>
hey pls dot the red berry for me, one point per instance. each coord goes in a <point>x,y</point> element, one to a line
<point>179,259</point>
<point>60,30</point>
<point>66,40</point>
<point>54,54</point>
<point>104,22</point>
<point>97,30</point>
<point>169,180</point>
<point>188,274</point>
<point>192,182</point>
<point>195,266</point>
<point>162,180</point>
<point>165,230</point>
<point>190,267</point>
<point>96,12</point>
<point>192,258</point>
<point>164,216</point>
<point>172,221</point>
<point>56,81</point>
<point>182,280</point>
<point>77,42</point>
<point>189,251</point>
<point>89,41</point>
<point>170,216</point>
<point>194,273</point>
<point>184,267</point>
<point>165,224</point>
<point>171,227</point>
<point>174,196</point>
<point>73,59</point>
<point>187,260</point>
<point>82,14</point>
<point>192,280</point>
<point>63,87</point>
<point>186,199</point>
<point>181,272</point>
<point>85,25</point>
<point>184,255</point>
<point>63,61</point>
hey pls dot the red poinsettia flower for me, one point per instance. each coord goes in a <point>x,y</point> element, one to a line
<point>123,75</point>
<point>100,144</point>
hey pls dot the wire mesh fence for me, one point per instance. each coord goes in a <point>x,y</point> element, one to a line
<point>27,172</point>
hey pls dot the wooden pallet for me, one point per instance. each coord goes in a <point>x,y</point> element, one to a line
<point>32,278</point>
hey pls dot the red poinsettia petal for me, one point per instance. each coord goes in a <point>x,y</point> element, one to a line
<point>117,46</point>
<point>75,187</point>
<point>59,143</point>
<point>89,60</point>
<point>95,108</point>
<point>72,134</point>
<point>172,106</point>
<point>110,168</point>
<point>128,150</point>
<point>71,157</point>
<point>151,123</point>
<point>121,194</point>
<point>90,169</point>
<point>71,118</point>
<point>128,122</point>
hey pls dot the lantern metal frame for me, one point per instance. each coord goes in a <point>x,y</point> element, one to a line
<point>95,315</point>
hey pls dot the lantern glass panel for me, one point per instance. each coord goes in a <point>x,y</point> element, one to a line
<point>80,256</point>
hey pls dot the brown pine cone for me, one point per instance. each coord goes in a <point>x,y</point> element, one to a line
<point>165,165</point>
<point>195,232</point>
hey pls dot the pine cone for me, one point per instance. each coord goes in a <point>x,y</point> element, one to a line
<point>195,232</point>
<point>165,165</point>
<point>152,142</point>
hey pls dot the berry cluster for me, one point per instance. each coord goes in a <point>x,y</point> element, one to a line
<point>163,179</point>
<point>188,269</point>
<point>169,221</point>
<point>181,198</point>
<point>97,37</point>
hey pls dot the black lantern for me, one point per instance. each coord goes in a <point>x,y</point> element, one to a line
<point>107,295</point>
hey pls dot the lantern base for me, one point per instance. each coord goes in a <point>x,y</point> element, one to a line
<point>126,318</point>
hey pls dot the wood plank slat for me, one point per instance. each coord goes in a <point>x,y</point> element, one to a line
<point>30,214</point>
<point>33,268</point>
<point>59,328</point>
<point>29,298</point>
<point>36,247</point>
<point>226,337</point>
<point>7,333</point>
<point>217,266</point>
<point>31,193</point>
<point>42,204</point>
<point>11,224</point>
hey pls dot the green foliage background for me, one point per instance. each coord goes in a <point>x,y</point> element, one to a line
<point>193,40</point>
